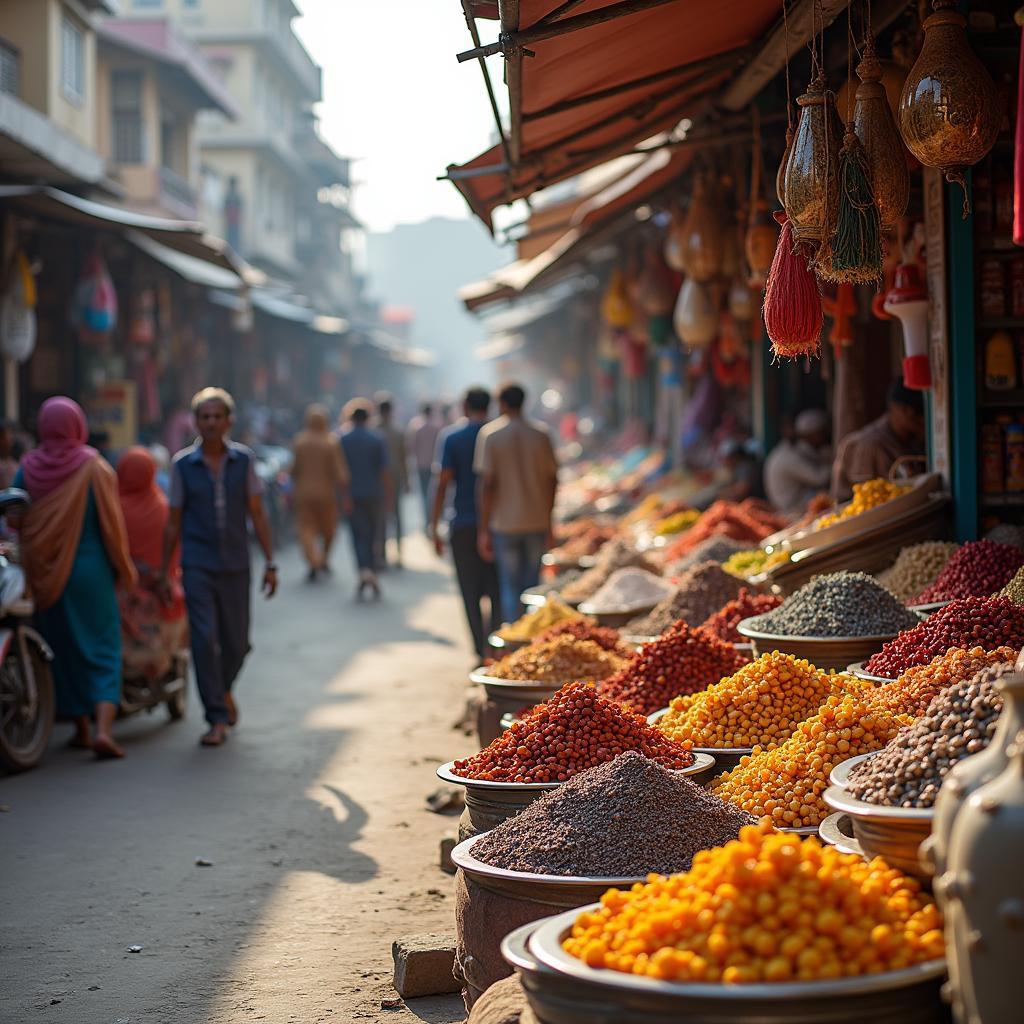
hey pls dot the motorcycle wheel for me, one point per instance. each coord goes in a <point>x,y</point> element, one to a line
<point>22,739</point>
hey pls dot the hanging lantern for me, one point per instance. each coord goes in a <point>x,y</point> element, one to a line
<point>616,307</point>
<point>657,292</point>
<point>876,128</point>
<point>742,304</point>
<point>792,303</point>
<point>907,301</point>
<point>762,237</point>
<point>703,236</point>
<point>950,109</point>
<point>695,318</point>
<point>811,186</point>
<point>674,249</point>
<point>892,76</point>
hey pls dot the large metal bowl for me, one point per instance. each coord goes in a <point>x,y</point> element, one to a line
<point>837,831</point>
<point>564,990</point>
<point>893,833</point>
<point>499,643</point>
<point>537,597</point>
<point>857,669</point>
<point>823,652</point>
<point>528,691</point>
<point>616,618</point>
<point>840,775</point>
<point>726,758</point>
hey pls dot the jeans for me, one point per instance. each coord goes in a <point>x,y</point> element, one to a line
<point>517,558</point>
<point>390,517</point>
<point>364,522</point>
<point>477,580</point>
<point>218,620</point>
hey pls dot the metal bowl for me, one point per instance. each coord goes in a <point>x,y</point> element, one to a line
<point>564,990</point>
<point>726,758</point>
<point>537,597</point>
<point>499,643</point>
<point>617,618</point>
<point>840,775</point>
<point>837,831</point>
<point>638,639</point>
<point>857,669</point>
<point>823,652</point>
<point>529,691</point>
<point>893,833</point>
<point>925,610</point>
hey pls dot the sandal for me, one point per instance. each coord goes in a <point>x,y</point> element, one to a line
<point>106,749</point>
<point>215,736</point>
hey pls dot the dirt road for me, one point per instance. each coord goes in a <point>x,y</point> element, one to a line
<point>312,817</point>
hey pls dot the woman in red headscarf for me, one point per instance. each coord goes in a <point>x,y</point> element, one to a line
<point>152,632</point>
<point>75,550</point>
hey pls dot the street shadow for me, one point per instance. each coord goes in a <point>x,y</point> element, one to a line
<point>353,866</point>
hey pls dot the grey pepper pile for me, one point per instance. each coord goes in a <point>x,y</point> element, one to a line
<point>959,721</point>
<point>625,818</point>
<point>714,549</point>
<point>838,604</point>
<point>700,592</point>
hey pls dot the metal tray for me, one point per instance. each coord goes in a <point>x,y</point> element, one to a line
<point>837,831</point>
<point>840,775</point>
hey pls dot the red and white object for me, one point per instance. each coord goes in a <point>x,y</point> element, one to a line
<point>907,301</point>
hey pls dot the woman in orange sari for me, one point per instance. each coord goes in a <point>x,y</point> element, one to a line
<point>75,550</point>
<point>152,632</point>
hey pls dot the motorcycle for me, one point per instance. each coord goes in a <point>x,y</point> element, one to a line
<point>26,682</point>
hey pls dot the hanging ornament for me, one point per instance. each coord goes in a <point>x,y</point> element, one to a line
<point>695,318</point>
<point>674,250</point>
<point>876,129</point>
<point>780,174</point>
<point>811,186</point>
<point>792,304</point>
<point>657,292</point>
<point>703,236</point>
<point>616,307</point>
<point>742,303</point>
<point>907,301</point>
<point>762,237</point>
<point>950,110</point>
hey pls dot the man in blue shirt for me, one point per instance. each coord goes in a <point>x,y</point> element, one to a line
<point>367,455</point>
<point>477,578</point>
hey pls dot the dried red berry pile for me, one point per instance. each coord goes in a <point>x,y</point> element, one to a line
<point>680,661</point>
<point>575,730</point>
<point>978,569</point>
<point>986,622</point>
<point>722,624</point>
<point>584,629</point>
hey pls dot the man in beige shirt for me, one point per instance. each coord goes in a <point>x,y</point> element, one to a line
<point>515,462</point>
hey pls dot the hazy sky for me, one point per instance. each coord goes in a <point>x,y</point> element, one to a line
<point>396,99</point>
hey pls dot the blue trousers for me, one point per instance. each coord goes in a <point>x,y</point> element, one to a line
<point>517,557</point>
<point>365,523</point>
<point>218,619</point>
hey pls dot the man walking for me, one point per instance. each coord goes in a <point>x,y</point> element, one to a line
<point>214,490</point>
<point>367,456</point>
<point>423,431</point>
<point>398,464</point>
<point>518,478</point>
<point>478,580</point>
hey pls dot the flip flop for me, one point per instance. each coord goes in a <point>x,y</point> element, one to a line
<point>214,737</point>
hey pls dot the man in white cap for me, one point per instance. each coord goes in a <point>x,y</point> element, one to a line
<point>798,469</point>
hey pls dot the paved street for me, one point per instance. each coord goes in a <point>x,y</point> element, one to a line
<point>312,816</point>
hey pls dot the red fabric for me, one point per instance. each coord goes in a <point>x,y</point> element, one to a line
<point>1018,156</point>
<point>62,450</point>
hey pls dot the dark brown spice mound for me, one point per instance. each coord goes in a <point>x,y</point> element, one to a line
<point>626,818</point>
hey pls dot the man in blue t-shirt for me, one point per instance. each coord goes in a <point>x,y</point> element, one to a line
<point>477,578</point>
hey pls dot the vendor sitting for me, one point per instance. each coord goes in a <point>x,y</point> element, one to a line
<point>871,451</point>
<point>799,468</point>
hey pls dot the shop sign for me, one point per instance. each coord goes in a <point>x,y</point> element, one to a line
<point>112,410</point>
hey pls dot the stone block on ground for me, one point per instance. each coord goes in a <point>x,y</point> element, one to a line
<point>423,965</point>
<point>448,843</point>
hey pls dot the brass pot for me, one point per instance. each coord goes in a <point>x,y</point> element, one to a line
<point>762,237</point>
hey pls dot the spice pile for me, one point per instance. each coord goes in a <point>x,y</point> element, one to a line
<point>986,622</point>
<point>1014,590</point>
<point>980,568</point>
<point>699,592</point>
<point>616,554</point>
<point>761,704</point>
<point>763,908</point>
<point>629,589</point>
<point>680,661</point>
<point>746,605</point>
<point>676,522</point>
<point>716,549</point>
<point>529,626</point>
<point>916,567</point>
<point>867,495</point>
<point>959,722</point>
<point>837,604</point>
<point>918,686</point>
<point>626,818</point>
<point>585,537</point>
<point>561,660</point>
<point>748,521</point>
<point>785,783</point>
<point>584,629</point>
<point>753,561</point>
<point>576,729</point>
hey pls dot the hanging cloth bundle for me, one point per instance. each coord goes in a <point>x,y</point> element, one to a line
<point>792,303</point>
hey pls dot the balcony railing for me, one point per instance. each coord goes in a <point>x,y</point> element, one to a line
<point>177,194</point>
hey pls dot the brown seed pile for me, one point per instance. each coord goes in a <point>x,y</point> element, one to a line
<point>916,567</point>
<point>699,592</point>
<point>626,818</point>
<point>562,660</point>
<point>959,722</point>
<point>1014,590</point>
<point>723,623</point>
<point>584,629</point>
<point>616,554</point>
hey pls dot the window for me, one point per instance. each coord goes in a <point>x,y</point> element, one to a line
<point>8,68</point>
<point>126,116</point>
<point>72,60</point>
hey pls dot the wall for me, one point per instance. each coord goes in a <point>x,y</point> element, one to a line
<point>23,23</point>
<point>77,118</point>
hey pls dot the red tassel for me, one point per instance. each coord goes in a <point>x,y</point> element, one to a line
<point>792,303</point>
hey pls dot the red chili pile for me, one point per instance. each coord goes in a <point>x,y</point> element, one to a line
<point>978,569</point>
<point>749,521</point>
<point>680,661</point>
<point>575,730</point>
<point>986,622</point>
<point>584,629</point>
<point>722,624</point>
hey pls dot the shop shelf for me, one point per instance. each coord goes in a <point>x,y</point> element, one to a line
<point>1001,500</point>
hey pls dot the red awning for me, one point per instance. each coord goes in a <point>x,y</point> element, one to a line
<point>597,91</point>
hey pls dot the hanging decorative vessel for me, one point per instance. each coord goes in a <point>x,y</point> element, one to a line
<point>762,237</point>
<point>875,126</point>
<point>695,318</point>
<point>616,308</point>
<point>742,303</point>
<point>703,234</point>
<point>792,303</point>
<point>674,249</point>
<point>780,174</point>
<point>811,186</point>
<point>657,292</point>
<point>950,109</point>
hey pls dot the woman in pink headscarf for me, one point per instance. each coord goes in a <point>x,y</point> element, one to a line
<point>74,550</point>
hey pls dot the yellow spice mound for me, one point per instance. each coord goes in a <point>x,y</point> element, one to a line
<point>766,907</point>
<point>529,626</point>
<point>867,495</point>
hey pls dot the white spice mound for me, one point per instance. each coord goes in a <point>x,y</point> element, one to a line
<point>628,589</point>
